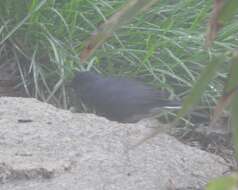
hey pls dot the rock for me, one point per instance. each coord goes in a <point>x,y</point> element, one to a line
<point>45,148</point>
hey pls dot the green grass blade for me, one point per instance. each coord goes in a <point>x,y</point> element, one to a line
<point>230,86</point>
<point>232,82</point>
<point>234,123</point>
<point>223,183</point>
<point>229,9</point>
<point>200,86</point>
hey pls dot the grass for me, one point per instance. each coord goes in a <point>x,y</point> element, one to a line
<point>164,46</point>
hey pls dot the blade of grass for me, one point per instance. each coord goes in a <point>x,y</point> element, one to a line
<point>223,183</point>
<point>234,123</point>
<point>230,89</point>
<point>201,84</point>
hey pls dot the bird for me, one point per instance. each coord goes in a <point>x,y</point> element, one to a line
<point>120,99</point>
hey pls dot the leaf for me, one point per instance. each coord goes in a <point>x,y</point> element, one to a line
<point>223,183</point>
<point>233,77</point>
<point>232,84</point>
<point>234,122</point>
<point>228,11</point>
<point>230,89</point>
<point>200,86</point>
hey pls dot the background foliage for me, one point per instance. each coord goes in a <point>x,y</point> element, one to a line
<point>163,46</point>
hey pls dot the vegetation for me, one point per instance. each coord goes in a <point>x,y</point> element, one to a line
<point>164,46</point>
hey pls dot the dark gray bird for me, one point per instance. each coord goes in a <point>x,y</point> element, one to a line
<point>120,99</point>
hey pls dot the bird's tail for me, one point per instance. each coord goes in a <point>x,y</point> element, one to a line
<point>172,104</point>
